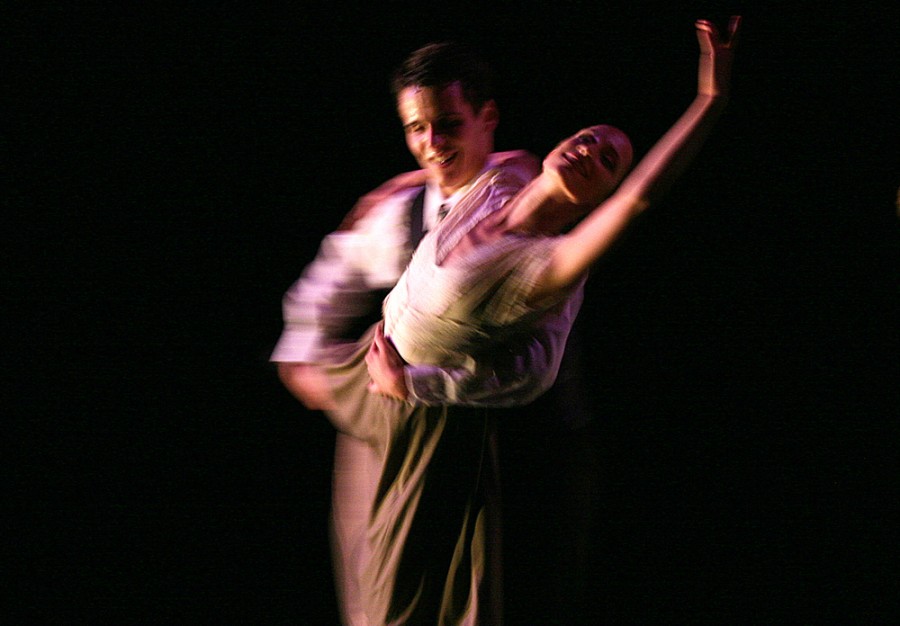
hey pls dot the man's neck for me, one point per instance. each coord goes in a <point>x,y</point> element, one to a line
<point>449,192</point>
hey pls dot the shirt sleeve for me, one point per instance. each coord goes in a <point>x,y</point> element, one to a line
<point>514,374</point>
<point>336,289</point>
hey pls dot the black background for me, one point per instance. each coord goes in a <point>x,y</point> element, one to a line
<point>169,169</point>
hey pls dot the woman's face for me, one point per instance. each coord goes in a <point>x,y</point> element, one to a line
<point>589,165</point>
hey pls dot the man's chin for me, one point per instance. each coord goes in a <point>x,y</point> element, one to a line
<point>449,179</point>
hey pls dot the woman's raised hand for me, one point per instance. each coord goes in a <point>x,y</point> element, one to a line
<point>716,54</point>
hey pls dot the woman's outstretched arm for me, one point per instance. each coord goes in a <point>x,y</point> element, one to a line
<point>668,158</point>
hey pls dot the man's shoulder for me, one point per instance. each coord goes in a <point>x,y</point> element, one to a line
<point>519,164</point>
<point>386,202</point>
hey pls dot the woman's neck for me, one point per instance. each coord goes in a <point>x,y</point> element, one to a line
<point>540,208</point>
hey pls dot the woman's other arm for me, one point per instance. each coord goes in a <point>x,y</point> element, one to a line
<point>668,158</point>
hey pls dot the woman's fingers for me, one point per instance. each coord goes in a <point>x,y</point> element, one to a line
<point>707,36</point>
<point>734,25</point>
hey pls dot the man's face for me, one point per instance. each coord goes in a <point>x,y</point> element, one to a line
<point>445,135</point>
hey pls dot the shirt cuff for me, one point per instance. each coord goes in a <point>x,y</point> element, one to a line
<point>426,384</point>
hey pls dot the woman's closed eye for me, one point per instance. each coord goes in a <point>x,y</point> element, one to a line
<point>609,158</point>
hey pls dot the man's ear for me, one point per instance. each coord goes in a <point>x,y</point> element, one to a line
<point>490,115</point>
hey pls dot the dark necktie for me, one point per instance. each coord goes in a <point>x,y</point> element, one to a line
<point>442,212</point>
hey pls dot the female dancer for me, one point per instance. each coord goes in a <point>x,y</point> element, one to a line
<point>580,172</point>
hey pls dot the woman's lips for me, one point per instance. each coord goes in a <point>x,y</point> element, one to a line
<point>576,162</point>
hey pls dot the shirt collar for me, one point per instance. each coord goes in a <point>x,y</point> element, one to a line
<point>434,198</point>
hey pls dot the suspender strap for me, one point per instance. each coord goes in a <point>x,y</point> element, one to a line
<point>417,220</point>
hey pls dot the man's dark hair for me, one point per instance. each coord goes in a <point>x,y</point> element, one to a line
<point>439,64</point>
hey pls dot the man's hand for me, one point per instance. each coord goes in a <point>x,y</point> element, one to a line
<point>308,384</point>
<point>386,367</point>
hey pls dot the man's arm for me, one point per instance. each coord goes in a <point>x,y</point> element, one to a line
<point>338,287</point>
<point>308,384</point>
